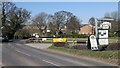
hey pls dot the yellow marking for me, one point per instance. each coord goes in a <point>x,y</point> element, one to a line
<point>59,40</point>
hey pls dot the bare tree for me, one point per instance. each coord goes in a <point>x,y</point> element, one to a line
<point>73,25</point>
<point>115,23</point>
<point>63,22</point>
<point>114,15</point>
<point>60,18</point>
<point>40,21</point>
<point>55,23</point>
<point>107,15</point>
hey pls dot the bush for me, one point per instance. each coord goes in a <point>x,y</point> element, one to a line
<point>21,34</point>
<point>113,46</point>
<point>60,44</point>
<point>75,36</point>
<point>113,35</point>
<point>102,47</point>
<point>80,47</point>
<point>29,41</point>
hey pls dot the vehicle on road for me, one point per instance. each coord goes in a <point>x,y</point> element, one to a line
<point>4,39</point>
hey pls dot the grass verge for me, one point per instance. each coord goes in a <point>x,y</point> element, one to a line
<point>109,56</point>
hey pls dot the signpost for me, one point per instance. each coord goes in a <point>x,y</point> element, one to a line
<point>101,34</point>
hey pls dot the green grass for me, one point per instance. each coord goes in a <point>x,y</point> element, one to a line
<point>97,54</point>
<point>113,41</point>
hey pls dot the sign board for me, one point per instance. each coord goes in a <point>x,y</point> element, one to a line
<point>59,40</point>
<point>103,33</point>
<point>37,36</point>
<point>93,42</point>
<point>33,34</point>
<point>43,39</point>
<point>48,30</point>
<point>103,41</point>
<point>103,37</point>
<point>105,25</point>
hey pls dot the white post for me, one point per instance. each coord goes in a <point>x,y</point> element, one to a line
<point>96,28</point>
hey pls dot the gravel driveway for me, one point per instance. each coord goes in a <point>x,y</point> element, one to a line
<point>39,45</point>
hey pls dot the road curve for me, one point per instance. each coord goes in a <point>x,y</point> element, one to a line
<point>18,54</point>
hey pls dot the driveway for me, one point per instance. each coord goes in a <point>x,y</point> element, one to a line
<point>39,45</point>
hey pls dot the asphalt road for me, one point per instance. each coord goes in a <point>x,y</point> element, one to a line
<point>18,54</point>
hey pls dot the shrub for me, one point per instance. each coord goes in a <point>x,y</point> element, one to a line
<point>60,44</point>
<point>112,35</point>
<point>102,47</point>
<point>22,33</point>
<point>29,41</point>
<point>76,36</point>
<point>113,46</point>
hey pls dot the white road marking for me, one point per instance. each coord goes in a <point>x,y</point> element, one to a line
<point>1,65</point>
<point>19,44</point>
<point>38,47</point>
<point>19,51</point>
<point>50,63</point>
<point>23,53</point>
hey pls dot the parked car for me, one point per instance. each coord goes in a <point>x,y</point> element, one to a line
<point>4,39</point>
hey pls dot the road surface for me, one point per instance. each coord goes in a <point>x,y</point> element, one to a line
<point>19,54</point>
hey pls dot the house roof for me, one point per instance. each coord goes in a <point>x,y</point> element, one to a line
<point>82,25</point>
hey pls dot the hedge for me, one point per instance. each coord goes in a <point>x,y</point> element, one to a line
<point>60,44</point>
<point>112,46</point>
<point>75,36</point>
